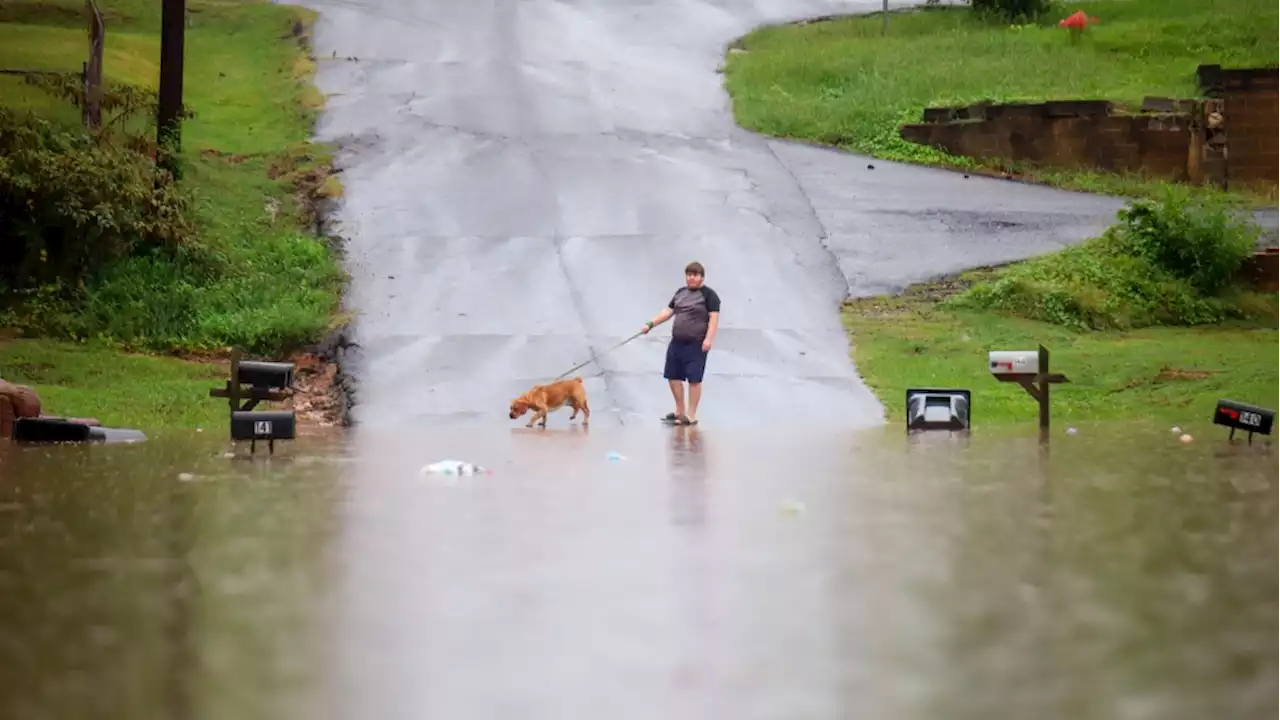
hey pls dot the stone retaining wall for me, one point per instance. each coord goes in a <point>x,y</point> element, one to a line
<point>1262,270</point>
<point>1227,137</point>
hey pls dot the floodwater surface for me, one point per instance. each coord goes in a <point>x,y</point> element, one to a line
<point>689,573</point>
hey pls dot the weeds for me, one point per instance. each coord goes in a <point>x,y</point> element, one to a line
<point>1171,262</point>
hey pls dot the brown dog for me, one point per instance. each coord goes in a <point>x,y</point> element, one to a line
<point>542,399</point>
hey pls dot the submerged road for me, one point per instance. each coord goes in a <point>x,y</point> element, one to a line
<point>526,179</point>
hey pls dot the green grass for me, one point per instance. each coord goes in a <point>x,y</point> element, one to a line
<point>1167,375</point>
<point>120,390</point>
<point>842,83</point>
<point>273,287</point>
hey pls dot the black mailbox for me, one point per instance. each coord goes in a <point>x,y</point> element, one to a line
<point>60,430</point>
<point>1239,416</point>
<point>267,425</point>
<point>49,430</point>
<point>264,375</point>
<point>937,409</point>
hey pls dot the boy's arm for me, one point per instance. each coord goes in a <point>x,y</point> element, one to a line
<point>658,319</point>
<point>713,319</point>
<point>661,317</point>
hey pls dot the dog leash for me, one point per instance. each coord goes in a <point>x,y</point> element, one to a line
<point>597,357</point>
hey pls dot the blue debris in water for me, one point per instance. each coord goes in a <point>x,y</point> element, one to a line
<point>615,457</point>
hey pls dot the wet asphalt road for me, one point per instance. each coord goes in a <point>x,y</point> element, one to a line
<point>525,181</point>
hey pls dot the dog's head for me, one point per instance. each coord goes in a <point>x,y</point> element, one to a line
<point>520,406</point>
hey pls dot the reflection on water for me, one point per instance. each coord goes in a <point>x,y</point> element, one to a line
<point>642,574</point>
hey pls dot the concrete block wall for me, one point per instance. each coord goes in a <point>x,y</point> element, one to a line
<point>1229,138</point>
<point>1250,111</point>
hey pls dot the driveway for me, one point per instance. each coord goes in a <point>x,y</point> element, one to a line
<point>526,179</point>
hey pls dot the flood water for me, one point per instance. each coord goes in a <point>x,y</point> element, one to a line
<point>698,574</point>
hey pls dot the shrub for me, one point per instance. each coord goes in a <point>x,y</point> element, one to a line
<point>1199,240</point>
<point>69,205</point>
<point>1170,262</point>
<point>1012,10</point>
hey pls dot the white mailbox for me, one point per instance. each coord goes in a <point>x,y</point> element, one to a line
<point>1013,362</point>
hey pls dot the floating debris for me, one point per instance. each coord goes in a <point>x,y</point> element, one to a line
<point>1185,438</point>
<point>793,507</point>
<point>614,457</point>
<point>454,467</point>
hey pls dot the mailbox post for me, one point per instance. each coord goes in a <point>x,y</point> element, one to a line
<point>269,382</point>
<point>1016,366</point>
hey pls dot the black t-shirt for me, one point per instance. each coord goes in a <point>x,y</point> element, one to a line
<point>693,308</point>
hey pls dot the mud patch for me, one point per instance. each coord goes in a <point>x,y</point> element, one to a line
<point>1167,375</point>
<point>231,158</point>
<point>923,296</point>
<point>316,400</point>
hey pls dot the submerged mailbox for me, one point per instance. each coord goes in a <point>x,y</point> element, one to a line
<point>269,425</point>
<point>61,430</point>
<point>937,409</point>
<point>266,381</point>
<point>1239,416</point>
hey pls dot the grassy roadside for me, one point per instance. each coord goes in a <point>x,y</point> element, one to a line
<point>271,285</point>
<point>1170,375</point>
<point>842,83</point>
<point>119,389</point>
<point>1151,321</point>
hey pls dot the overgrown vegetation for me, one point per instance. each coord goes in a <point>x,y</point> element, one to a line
<point>1124,315</point>
<point>841,82</point>
<point>97,245</point>
<point>1160,375</point>
<point>1167,262</point>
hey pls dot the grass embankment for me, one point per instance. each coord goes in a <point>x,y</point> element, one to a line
<point>842,83</point>
<point>262,281</point>
<point>119,389</point>
<point>1143,320</point>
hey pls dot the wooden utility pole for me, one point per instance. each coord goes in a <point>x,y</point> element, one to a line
<point>92,73</point>
<point>884,26</point>
<point>168,117</point>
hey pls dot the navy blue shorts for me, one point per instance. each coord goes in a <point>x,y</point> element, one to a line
<point>685,361</point>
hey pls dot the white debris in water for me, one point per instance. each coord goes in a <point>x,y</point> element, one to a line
<point>1175,430</point>
<point>453,467</point>
<point>793,507</point>
<point>186,477</point>
<point>1072,431</point>
<point>228,455</point>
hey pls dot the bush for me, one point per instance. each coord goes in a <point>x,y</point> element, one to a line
<point>1199,240</point>
<point>70,205</point>
<point>1170,262</point>
<point>1012,10</point>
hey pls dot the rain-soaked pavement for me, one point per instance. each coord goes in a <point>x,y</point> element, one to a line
<point>705,574</point>
<point>525,181</point>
